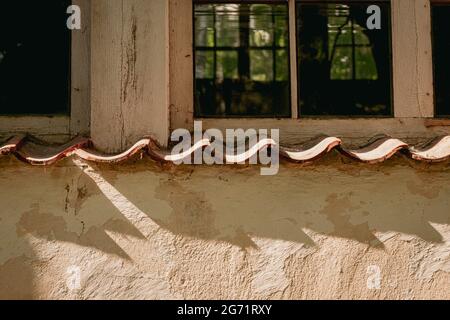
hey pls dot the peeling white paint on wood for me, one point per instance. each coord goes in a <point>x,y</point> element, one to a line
<point>129,72</point>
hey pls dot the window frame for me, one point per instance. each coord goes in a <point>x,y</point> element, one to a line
<point>412,88</point>
<point>400,107</point>
<point>169,73</point>
<point>172,105</point>
<point>76,120</point>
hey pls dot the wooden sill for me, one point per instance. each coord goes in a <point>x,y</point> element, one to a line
<point>437,123</point>
<point>36,125</point>
<point>293,131</point>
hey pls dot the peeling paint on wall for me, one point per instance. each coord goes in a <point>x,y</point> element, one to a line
<point>140,230</point>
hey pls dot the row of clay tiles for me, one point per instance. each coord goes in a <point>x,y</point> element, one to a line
<point>31,151</point>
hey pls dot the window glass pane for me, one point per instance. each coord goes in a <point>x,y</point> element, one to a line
<point>205,62</point>
<point>441,56</point>
<point>261,65</point>
<point>360,35</point>
<point>227,65</point>
<point>247,59</point>
<point>366,68</point>
<point>339,31</point>
<point>34,57</point>
<point>227,25</point>
<point>261,26</point>
<point>341,65</point>
<point>344,68</point>
<point>282,65</point>
<point>281,30</point>
<point>204,27</point>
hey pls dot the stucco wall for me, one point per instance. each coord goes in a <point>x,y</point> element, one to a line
<point>142,230</point>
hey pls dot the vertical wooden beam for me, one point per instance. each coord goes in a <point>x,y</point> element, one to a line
<point>130,72</point>
<point>107,127</point>
<point>412,58</point>
<point>425,58</point>
<point>145,69</point>
<point>181,64</point>
<point>293,58</point>
<point>80,83</point>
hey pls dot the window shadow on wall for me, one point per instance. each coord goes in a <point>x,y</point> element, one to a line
<point>235,204</point>
<point>154,207</point>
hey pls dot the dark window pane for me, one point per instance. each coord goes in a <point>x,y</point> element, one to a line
<point>281,30</point>
<point>227,25</point>
<point>227,65</point>
<point>344,68</point>
<point>260,70</point>
<point>341,65</point>
<point>241,63</point>
<point>282,65</point>
<point>205,61</point>
<point>261,26</point>
<point>366,68</point>
<point>34,57</point>
<point>204,28</point>
<point>441,55</point>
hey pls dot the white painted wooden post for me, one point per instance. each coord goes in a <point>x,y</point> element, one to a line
<point>129,72</point>
<point>412,62</point>
<point>181,65</point>
<point>80,86</point>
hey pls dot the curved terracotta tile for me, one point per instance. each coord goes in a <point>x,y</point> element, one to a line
<point>242,157</point>
<point>378,151</point>
<point>436,151</point>
<point>34,152</point>
<point>91,155</point>
<point>313,152</point>
<point>40,155</point>
<point>12,144</point>
<point>156,153</point>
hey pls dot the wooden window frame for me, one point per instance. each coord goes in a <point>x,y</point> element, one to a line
<point>63,126</point>
<point>161,100</point>
<point>160,96</point>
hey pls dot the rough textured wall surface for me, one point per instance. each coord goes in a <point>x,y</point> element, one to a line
<point>141,230</point>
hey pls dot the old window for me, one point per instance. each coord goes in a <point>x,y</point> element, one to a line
<point>441,54</point>
<point>242,59</point>
<point>34,57</point>
<point>344,67</point>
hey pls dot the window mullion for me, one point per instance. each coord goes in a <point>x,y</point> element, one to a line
<point>293,61</point>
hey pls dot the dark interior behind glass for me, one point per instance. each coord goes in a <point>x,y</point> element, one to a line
<point>242,60</point>
<point>34,57</point>
<point>441,56</point>
<point>344,68</point>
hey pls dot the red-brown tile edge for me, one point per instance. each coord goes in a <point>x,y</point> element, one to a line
<point>379,150</point>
